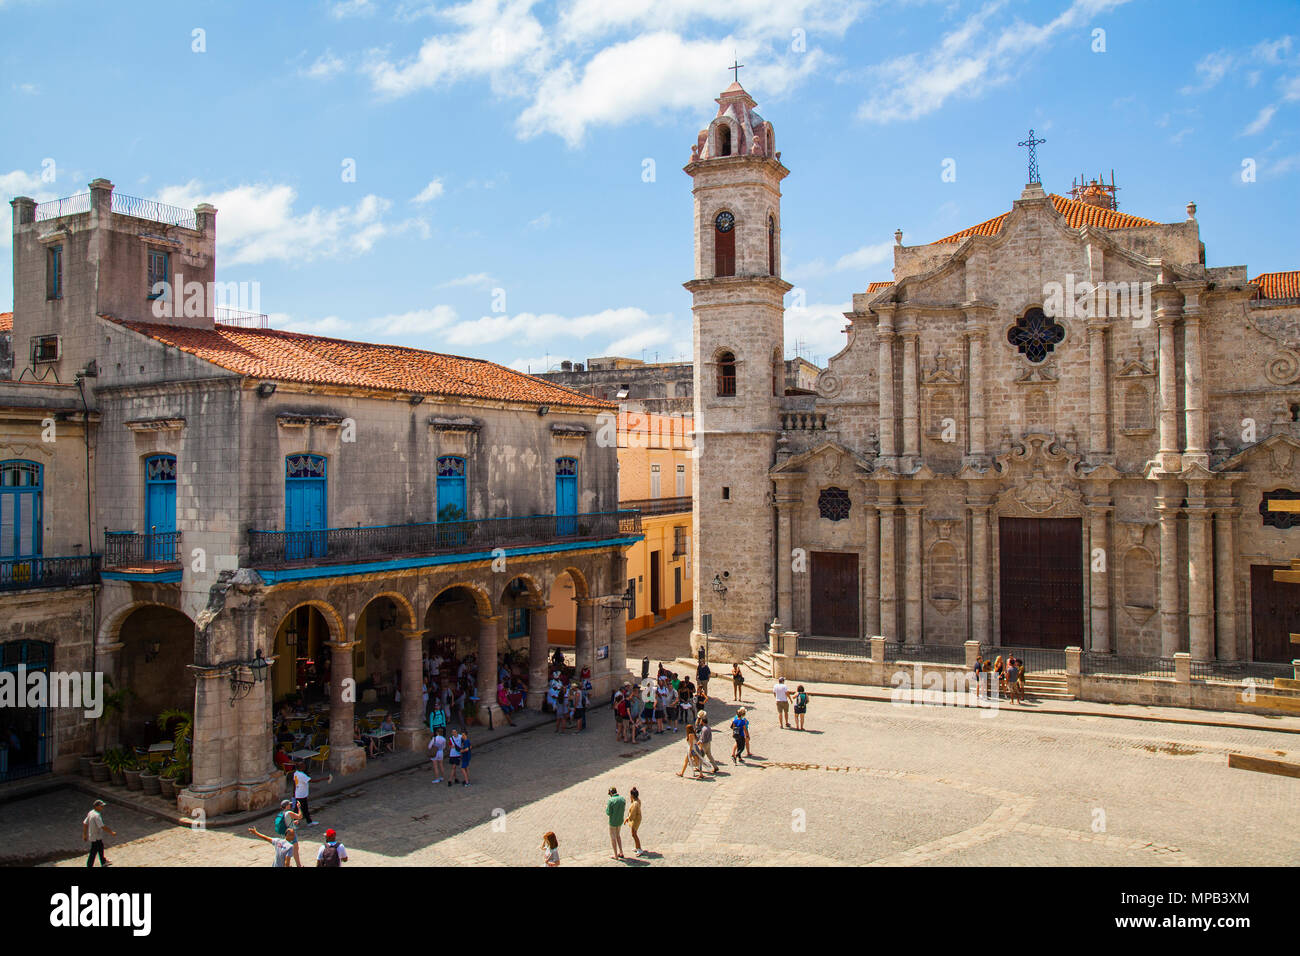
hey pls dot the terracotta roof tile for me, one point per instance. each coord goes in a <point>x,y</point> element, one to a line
<point>1077,214</point>
<point>315,360</point>
<point>1272,285</point>
<point>877,286</point>
<point>6,321</point>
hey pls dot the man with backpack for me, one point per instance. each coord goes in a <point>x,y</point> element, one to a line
<point>332,852</point>
<point>702,676</point>
<point>740,734</point>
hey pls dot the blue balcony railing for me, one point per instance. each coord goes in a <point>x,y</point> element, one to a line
<point>18,574</point>
<point>270,549</point>
<point>155,551</point>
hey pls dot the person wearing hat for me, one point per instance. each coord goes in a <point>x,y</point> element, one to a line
<point>93,829</point>
<point>332,852</point>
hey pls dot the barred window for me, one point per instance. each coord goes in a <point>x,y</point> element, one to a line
<point>1282,520</point>
<point>834,504</point>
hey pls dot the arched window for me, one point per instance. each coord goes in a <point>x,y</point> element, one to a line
<point>771,245</point>
<point>726,374</point>
<point>20,509</point>
<point>1036,335</point>
<point>724,244</point>
<point>724,140</point>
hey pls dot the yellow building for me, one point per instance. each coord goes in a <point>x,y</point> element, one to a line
<point>654,476</point>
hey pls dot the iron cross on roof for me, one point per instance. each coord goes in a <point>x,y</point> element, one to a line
<point>1033,155</point>
<point>736,68</point>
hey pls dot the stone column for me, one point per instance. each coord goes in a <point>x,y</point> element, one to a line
<point>1167,511</point>
<point>538,653</point>
<point>345,756</point>
<point>1194,382</point>
<point>1166,316</point>
<point>618,634</point>
<point>885,338</point>
<point>489,712</point>
<point>414,733</point>
<point>1098,390</point>
<point>1200,578</point>
<point>784,568</point>
<point>975,393</point>
<point>211,706</point>
<point>912,605</point>
<point>979,573</point>
<point>911,401</point>
<point>888,570</point>
<point>1101,572</point>
<point>585,633</point>
<point>1225,580</point>
<point>871,586</point>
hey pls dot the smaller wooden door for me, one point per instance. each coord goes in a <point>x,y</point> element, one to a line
<point>654,583</point>
<point>1274,615</point>
<point>834,599</point>
<point>677,585</point>
<point>566,495</point>
<point>160,506</point>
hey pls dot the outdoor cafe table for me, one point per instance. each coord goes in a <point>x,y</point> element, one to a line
<point>162,748</point>
<point>304,754</point>
<point>378,735</point>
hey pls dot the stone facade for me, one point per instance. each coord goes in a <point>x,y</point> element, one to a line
<point>1063,361</point>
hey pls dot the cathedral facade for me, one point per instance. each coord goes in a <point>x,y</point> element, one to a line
<point>1059,427</point>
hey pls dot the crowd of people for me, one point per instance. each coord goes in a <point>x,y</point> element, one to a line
<point>1007,676</point>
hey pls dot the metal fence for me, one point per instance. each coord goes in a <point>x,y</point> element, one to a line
<point>68,206</point>
<point>17,574</point>
<point>1115,665</point>
<point>848,647</point>
<point>270,549</point>
<point>928,653</point>
<point>1238,671</point>
<point>126,549</point>
<point>238,318</point>
<point>123,205</point>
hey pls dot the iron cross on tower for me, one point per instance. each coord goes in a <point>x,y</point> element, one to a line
<point>1033,155</point>
<point>735,68</point>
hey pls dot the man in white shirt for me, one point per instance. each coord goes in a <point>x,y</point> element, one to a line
<point>93,829</point>
<point>301,793</point>
<point>332,852</point>
<point>782,695</point>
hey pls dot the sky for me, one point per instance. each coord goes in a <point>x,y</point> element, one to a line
<point>503,178</point>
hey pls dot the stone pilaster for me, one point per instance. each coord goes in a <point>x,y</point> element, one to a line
<point>784,568</point>
<point>912,598</point>
<point>888,569</point>
<point>980,595</point>
<point>1100,563</point>
<point>1196,451</point>
<point>911,400</point>
<point>977,442</point>
<point>345,756</point>
<point>414,732</point>
<point>1167,313</point>
<point>1167,503</point>
<point>489,712</point>
<point>584,641</point>
<point>538,652</point>
<point>871,573</point>
<point>1098,390</point>
<point>885,341</point>
<point>1225,579</point>
<point>1200,578</point>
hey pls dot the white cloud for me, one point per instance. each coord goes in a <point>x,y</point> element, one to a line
<point>476,279</point>
<point>326,65</point>
<point>342,9</point>
<point>1273,51</point>
<point>819,328</point>
<point>29,89</point>
<point>415,322</point>
<point>1291,89</point>
<point>19,182</point>
<point>865,258</point>
<point>258,223</point>
<point>547,327</point>
<point>582,20</point>
<point>1211,68</point>
<point>966,61</point>
<point>1260,121</point>
<point>330,326</point>
<point>429,192</point>
<point>541,222</point>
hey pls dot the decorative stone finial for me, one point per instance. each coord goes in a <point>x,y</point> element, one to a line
<point>1191,210</point>
<point>898,237</point>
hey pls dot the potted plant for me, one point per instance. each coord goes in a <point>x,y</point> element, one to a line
<point>167,782</point>
<point>115,762</point>
<point>99,771</point>
<point>149,781</point>
<point>131,771</point>
<point>83,764</point>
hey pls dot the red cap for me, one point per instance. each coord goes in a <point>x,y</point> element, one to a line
<point>329,834</point>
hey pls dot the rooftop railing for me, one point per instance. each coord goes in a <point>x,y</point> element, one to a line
<point>241,319</point>
<point>149,209</point>
<point>272,549</point>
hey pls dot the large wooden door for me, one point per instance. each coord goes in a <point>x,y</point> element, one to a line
<point>834,594</point>
<point>1274,614</point>
<point>1041,567</point>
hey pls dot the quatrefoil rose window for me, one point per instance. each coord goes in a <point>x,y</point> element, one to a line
<point>1036,335</point>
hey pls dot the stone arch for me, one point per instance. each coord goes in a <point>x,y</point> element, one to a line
<point>155,661</point>
<point>581,589</point>
<point>405,610</point>
<point>716,137</point>
<point>110,629</point>
<point>482,600</point>
<point>274,616</point>
<point>536,591</point>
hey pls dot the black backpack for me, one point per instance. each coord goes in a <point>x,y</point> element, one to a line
<point>329,855</point>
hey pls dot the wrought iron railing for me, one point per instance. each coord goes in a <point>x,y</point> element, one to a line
<point>68,206</point>
<point>126,549</point>
<point>658,506</point>
<point>17,574</point>
<point>241,319</point>
<point>271,549</point>
<point>1115,665</point>
<point>9,773</point>
<point>851,647</point>
<point>1241,670</point>
<point>1038,660</point>
<point>928,653</point>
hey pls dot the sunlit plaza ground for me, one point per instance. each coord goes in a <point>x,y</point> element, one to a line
<point>868,782</point>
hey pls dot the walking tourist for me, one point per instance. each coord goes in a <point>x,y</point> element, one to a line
<point>634,819</point>
<point>693,755</point>
<point>584,701</point>
<point>686,702</point>
<point>1013,678</point>
<point>737,682</point>
<point>740,734</point>
<point>93,829</point>
<point>302,793</point>
<point>674,706</point>
<point>660,704</point>
<point>782,694</point>
<point>800,707</point>
<point>702,675</point>
<point>437,747</point>
<point>615,807</point>
<point>704,734</point>
<point>561,710</point>
<point>620,716</point>
<point>460,750</point>
<point>284,846</point>
<point>332,852</point>
<point>550,849</point>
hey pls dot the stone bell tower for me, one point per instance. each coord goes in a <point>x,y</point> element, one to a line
<point>739,373</point>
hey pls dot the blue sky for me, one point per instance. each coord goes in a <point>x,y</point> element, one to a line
<point>500,206</point>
